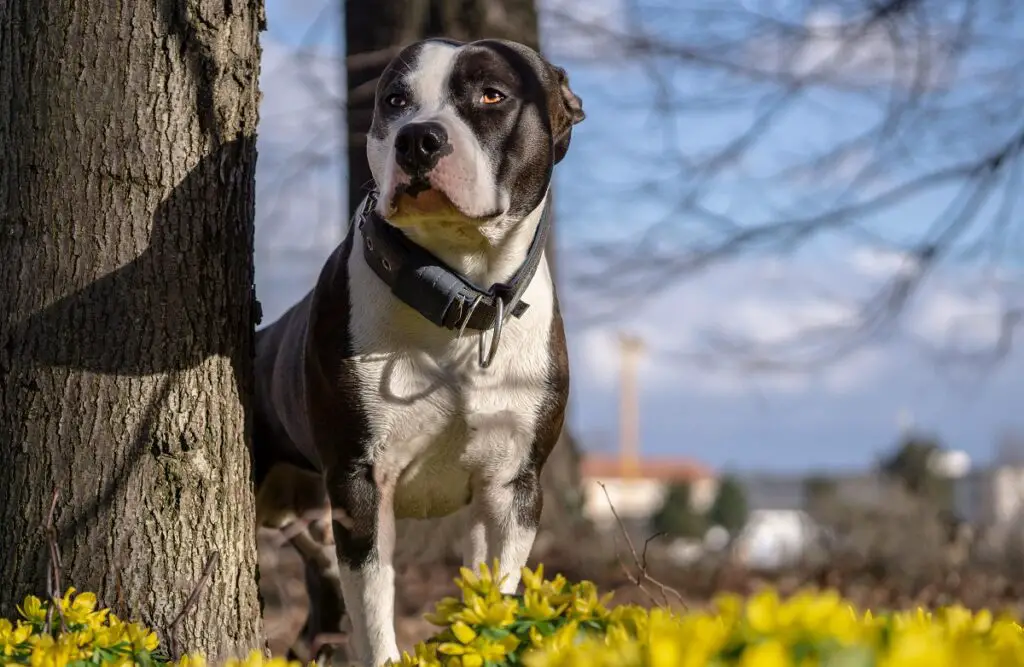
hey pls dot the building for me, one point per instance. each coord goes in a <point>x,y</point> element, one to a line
<point>637,488</point>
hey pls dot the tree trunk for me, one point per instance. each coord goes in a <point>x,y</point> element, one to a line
<point>375,30</point>
<point>127,145</point>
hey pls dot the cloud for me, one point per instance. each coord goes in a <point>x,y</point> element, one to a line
<point>732,331</point>
<point>956,307</point>
<point>706,335</point>
<point>958,320</point>
<point>872,262</point>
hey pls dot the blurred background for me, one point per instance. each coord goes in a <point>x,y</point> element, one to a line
<point>788,245</point>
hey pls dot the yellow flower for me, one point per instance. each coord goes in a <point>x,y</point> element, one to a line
<point>33,610</point>
<point>141,637</point>
<point>582,631</point>
<point>917,646</point>
<point>533,580</point>
<point>443,611</point>
<point>494,614</point>
<point>452,648</point>
<point>585,602</point>
<point>496,650</point>
<point>477,650</point>
<point>538,607</point>
<point>463,632</point>
<point>553,589</point>
<point>255,658</point>
<point>50,652</point>
<point>770,653</point>
<point>12,636</point>
<point>484,584</point>
<point>762,612</point>
<point>77,610</point>
<point>664,651</point>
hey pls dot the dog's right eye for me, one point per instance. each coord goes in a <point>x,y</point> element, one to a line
<point>397,101</point>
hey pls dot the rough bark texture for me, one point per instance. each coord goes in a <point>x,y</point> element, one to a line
<point>375,30</point>
<point>127,161</point>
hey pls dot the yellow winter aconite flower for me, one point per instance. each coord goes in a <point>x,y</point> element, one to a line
<point>70,631</point>
<point>141,637</point>
<point>770,653</point>
<point>538,607</point>
<point>444,611</point>
<point>256,659</point>
<point>32,610</point>
<point>496,614</point>
<point>484,585</point>
<point>12,636</point>
<point>77,610</point>
<point>556,623</point>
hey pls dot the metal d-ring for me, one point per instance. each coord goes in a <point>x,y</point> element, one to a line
<point>469,316</point>
<point>499,319</point>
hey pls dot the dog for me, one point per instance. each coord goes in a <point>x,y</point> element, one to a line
<point>415,393</point>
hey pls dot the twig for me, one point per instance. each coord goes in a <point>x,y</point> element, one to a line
<point>53,569</point>
<point>643,556</point>
<point>641,576</point>
<point>193,597</point>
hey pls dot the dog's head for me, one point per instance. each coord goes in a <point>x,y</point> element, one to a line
<point>468,134</point>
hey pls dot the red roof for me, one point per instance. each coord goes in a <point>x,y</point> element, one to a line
<point>666,469</point>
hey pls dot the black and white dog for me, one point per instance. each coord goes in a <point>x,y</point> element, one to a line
<point>421,385</point>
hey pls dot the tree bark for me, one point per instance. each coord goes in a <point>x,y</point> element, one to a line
<point>375,30</point>
<point>127,145</point>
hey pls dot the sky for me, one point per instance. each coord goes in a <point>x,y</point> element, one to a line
<point>618,181</point>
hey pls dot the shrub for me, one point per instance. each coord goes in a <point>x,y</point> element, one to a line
<point>558,624</point>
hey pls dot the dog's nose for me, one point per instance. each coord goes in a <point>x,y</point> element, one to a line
<point>419,146</point>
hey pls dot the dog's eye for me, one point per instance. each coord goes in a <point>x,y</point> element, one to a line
<point>492,96</point>
<point>397,101</point>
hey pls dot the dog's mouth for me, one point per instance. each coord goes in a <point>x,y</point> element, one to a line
<point>418,199</point>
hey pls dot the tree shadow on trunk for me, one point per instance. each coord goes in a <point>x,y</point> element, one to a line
<point>186,298</point>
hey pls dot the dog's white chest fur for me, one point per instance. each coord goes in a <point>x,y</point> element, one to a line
<point>436,418</point>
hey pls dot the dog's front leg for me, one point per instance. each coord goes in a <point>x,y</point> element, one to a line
<point>510,513</point>
<point>365,543</point>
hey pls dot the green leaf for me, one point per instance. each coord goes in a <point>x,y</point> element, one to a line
<point>494,633</point>
<point>851,656</point>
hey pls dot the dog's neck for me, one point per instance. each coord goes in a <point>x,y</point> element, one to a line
<point>486,254</point>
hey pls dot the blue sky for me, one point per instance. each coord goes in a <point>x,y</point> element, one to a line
<point>695,402</point>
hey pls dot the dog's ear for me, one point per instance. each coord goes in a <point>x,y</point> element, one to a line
<point>566,110</point>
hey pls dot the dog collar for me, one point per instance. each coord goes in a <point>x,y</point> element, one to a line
<point>435,290</point>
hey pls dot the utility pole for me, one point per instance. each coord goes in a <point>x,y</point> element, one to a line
<point>631,349</point>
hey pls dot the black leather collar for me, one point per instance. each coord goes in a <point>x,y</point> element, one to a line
<point>435,290</point>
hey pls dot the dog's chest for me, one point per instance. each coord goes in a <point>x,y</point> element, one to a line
<point>437,419</point>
